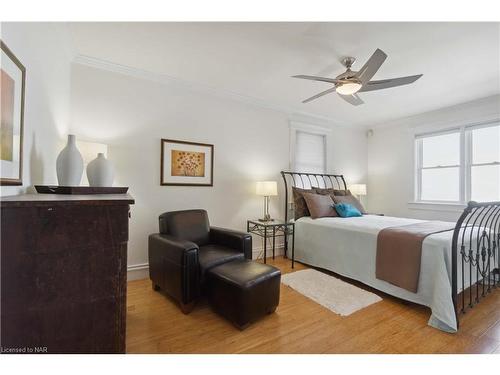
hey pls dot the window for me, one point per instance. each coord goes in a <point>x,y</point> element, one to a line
<point>485,164</point>
<point>310,152</point>
<point>459,165</point>
<point>440,167</point>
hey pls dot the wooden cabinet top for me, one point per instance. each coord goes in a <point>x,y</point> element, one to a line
<point>24,200</point>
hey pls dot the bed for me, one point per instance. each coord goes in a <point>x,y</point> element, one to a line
<point>458,267</point>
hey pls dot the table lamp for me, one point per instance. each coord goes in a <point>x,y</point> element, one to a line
<point>358,189</point>
<point>266,189</point>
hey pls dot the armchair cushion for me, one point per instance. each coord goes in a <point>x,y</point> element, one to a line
<point>190,225</point>
<point>240,241</point>
<point>215,255</point>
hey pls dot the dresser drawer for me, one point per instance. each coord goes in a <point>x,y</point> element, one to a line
<point>54,228</point>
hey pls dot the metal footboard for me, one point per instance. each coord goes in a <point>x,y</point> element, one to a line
<point>475,255</point>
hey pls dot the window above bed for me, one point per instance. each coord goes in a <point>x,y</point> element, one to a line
<point>459,165</point>
<point>308,145</point>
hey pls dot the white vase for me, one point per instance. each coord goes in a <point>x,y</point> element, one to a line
<point>100,171</point>
<point>69,164</point>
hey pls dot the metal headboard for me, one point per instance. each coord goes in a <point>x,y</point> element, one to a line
<point>308,180</point>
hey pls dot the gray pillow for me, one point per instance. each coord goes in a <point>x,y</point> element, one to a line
<point>330,191</point>
<point>320,205</point>
<point>350,199</point>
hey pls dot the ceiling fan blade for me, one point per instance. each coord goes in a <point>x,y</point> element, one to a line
<point>315,78</point>
<point>387,83</point>
<point>319,95</point>
<point>371,66</point>
<point>352,99</point>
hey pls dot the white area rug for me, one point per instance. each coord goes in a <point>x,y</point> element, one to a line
<point>330,292</point>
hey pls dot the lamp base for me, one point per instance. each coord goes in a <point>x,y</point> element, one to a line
<point>266,217</point>
<point>264,220</point>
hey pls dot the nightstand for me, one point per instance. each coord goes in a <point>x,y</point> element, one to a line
<point>273,229</point>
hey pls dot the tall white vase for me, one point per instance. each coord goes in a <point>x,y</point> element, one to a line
<point>69,164</point>
<point>100,171</point>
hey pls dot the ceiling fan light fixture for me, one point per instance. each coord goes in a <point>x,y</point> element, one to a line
<point>348,88</point>
<point>349,83</point>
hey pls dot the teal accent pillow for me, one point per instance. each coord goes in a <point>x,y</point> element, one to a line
<point>347,210</point>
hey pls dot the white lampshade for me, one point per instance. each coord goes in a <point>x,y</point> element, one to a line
<point>358,189</point>
<point>267,188</point>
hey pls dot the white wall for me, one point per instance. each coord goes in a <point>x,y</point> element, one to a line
<point>251,144</point>
<point>44,50</point>
<point>391,156</point>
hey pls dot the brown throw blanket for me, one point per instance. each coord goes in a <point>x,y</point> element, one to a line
<point>399,252</point>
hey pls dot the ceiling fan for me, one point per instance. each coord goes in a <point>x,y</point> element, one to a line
<point>349,83</point>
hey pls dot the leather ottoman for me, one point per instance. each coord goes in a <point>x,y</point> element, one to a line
<point>243,291</point>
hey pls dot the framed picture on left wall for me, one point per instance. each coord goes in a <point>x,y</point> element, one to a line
<point>186,163</point>
<point>12,85</point>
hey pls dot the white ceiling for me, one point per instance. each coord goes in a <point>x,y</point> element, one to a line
<point>460,61</point>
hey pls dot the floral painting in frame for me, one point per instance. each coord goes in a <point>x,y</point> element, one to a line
<point>186,163</point>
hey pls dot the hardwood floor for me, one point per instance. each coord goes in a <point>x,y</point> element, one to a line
<point>156,325</point>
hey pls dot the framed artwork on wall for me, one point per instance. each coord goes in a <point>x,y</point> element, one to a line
<point>186,163</point>
<point>12,84</point>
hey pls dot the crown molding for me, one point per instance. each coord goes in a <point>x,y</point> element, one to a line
<point>300,125</point>
<point>167,80</point>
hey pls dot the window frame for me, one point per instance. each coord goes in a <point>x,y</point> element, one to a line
<point>465,160</point>
<point>310,129</point>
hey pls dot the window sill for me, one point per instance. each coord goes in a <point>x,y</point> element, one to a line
<point>436,206</point>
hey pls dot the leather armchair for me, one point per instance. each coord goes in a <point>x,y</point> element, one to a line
<point>186,248</point>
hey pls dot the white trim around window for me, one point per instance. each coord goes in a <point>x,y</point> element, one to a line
<point>296,127</point>
<point>465,166</point>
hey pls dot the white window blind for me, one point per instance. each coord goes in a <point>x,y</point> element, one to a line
<point>310,152</point>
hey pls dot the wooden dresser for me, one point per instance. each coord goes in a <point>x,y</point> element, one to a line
<point>64,273</point>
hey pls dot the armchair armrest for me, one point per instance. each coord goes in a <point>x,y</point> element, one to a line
<point>174,267</point>
<point>171,248</point>
<point>240,241</point>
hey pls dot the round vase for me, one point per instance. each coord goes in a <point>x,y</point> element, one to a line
<point>100,171</point>
<point>69,164</point>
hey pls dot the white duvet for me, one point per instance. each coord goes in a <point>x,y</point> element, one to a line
<point>348,246</point>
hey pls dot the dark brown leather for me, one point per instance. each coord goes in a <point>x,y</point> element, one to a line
<point>174,267</point>
<point>214,255</point>
<point>240,241</point>
<point>243,291</point>
<point>186,248</point>
<point>190,225</point>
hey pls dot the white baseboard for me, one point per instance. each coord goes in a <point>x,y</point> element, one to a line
<point>258,253</point>
<point>137,271</point>
<point>141,271</point>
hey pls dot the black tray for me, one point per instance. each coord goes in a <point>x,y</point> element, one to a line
<point>75,190</point>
